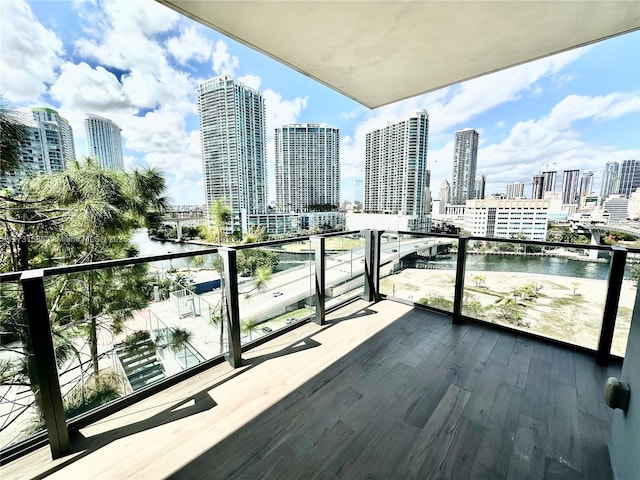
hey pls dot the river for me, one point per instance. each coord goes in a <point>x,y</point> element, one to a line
<point>476,262</point>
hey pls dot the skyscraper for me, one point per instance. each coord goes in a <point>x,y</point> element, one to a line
<point>537,187</point>
<point>396,174</point>
<point>480,184</point>
<point>105,142</point>
<point>445,192</point>
<point>515,190</point>
<point>232,136</point>
<point>60,134</point>
<point>629,177</point>
<point>610,179</point>
<point>549,183</point>
<point>307,166</point>
<point>46,149</point>
<point>586,185</point>
<point>570,180</point>
<point>465,157</point>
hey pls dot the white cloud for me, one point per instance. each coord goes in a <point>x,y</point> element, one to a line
<point>501,124</point>
<point>223,63</point>
<point>30,53</point>
<point>532,144</point>
<point>453,106</point>
<point>280,111</point>
<point>251,81</point>
<point>190,45</point>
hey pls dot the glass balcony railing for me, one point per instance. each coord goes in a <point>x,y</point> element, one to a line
<point>101,336</point>
<point>344,264</point>
<point>419,269</point>
<point>19,410</point>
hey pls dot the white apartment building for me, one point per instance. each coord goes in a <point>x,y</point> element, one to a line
<point>381,221</point>
<point>46,150</point>
<point>515,190</point>
<point>307,166</point>
<point>104,141</point>
<point>465,157</point>
<point>274,223</point>
<point>322,220</point>
<point>233,143</point>
<point>396,173</point>
<point>507,218</point>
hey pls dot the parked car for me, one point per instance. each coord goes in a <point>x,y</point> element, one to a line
<point>290,320</point>
<point>277,294</point>
<point>267,330</point>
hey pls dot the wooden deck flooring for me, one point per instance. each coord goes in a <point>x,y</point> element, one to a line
<point>384,391</point>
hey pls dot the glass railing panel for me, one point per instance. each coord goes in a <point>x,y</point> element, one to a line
<point>626,304</point>
<point>20,416</point>
<point>554,292</point>
<point>276,287</point>
<point>420,269</point>
<point>120,329</point>
<point>344,265</point>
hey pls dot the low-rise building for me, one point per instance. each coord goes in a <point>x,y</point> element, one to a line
<point>381,221</point>
<point>525,218</point>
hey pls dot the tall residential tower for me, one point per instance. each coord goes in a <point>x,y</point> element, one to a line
<point>105,142</point>
<point>307,166</point>
<point>396,174</point>
<point>46,149</point>
<point>465,157</point>
<point>610,179</point>
<point>629,177</point>
<point>233,140</point>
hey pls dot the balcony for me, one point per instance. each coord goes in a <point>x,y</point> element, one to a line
<point>381,386</point>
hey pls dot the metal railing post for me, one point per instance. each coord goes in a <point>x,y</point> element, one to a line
<point>614,286</point>
<point>372,265</point>
<point>35,304</point>
<point>460,272</point>
<point>319,297</point>
<point>232,304</point>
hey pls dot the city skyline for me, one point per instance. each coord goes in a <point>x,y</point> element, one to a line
<point>140,64</point>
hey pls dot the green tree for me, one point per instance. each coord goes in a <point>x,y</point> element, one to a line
<point>220,215</point>
<point>83,214</point>
<point>13,133</point>
<point>635,274</point>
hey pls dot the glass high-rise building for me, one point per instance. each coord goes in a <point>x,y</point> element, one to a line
<point>104,141</point>
<point>570,179</point>
<point>610,179</point>
<point>233,143</point>
<point>629,177</point>
<point>465,157</point>
<point>307,166</point>
<point>586,184</point>
<point>46,149</point>
<point>396,174</point>
<point>53,121</point>
<point>479,187</point>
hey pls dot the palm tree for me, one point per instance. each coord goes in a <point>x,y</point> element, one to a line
<point>220,214</point>
<point>12,134</point>
<point>88,214</point>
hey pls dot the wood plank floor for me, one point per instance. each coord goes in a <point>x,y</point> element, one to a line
<point>384,391</point>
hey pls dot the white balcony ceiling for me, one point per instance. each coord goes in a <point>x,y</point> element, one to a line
<point>380,52</point>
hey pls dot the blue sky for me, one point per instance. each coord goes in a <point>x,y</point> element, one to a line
<point>139,64</point>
